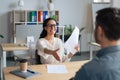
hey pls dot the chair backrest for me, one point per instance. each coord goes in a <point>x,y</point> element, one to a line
<point>37,57</point>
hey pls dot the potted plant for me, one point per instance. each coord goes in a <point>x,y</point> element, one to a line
<point>50,5</point>
<point>68,31</point>
<point>50,1</point>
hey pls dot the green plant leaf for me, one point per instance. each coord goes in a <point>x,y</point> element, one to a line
<point>50,1</point>
<point>1,36</point>
<point>81,29</point>
<point>68,29</point>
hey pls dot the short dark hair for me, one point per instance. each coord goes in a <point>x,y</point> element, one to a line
<point>109,20</point>
<point>44,32</point>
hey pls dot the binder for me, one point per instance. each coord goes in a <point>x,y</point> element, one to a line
<point>45,15</point>
<point>40,16</point>
<point>33,16</point>
<point>57,15</point>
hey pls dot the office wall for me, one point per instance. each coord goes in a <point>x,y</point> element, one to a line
<point>75,12</point>
<point>116,3</point>
<point>78,13</point>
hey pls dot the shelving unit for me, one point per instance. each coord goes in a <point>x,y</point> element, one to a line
<point>30,17</point>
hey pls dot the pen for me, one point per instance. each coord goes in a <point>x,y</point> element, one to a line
<point>30,71</point>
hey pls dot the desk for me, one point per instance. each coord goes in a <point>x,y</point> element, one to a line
<point>72,67</point>
<point>9,47</point>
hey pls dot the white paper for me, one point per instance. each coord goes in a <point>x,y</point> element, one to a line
<point>30,41</point>
<point>72,41</point>
<point>30,38</point>
<point>56,69</point>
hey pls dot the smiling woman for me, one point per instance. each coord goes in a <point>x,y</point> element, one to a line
<point>50,48</point>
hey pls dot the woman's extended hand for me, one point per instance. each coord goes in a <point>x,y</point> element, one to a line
<point>53,52</point>
<point>77,48</point>
<point>56,55</point>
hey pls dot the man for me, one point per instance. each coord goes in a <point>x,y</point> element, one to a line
<point>106,65</point>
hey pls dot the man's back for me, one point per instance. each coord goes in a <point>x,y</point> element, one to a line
<point>105,67</point>
<point>107,33</point>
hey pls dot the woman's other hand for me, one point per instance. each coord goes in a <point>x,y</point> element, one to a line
<point>77,48</point>
<point>54,53</point>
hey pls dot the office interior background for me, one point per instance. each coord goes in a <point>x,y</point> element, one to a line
<point>74,12</point>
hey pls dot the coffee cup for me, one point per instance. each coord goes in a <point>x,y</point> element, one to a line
<point>23,65</point>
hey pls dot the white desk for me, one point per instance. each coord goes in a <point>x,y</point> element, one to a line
<point>9,47</point>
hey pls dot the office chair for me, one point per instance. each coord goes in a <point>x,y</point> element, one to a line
<point>37,57</point>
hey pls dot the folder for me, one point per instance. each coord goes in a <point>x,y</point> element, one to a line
<point>40,16</point>
<point>26,75</point>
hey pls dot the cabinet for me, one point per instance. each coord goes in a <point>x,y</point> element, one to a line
<point>30,17</point>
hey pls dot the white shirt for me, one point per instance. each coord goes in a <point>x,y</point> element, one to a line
<point>42,43</point>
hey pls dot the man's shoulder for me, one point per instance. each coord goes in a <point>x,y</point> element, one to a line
<point>92,65</point>
<point>97,66</point>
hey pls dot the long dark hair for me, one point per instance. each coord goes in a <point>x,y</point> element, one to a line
<point>44,32</point>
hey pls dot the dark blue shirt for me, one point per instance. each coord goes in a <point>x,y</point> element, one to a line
<point>106,66</point>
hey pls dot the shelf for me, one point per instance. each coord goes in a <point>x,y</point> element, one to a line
<point>27,16</point>
<point>31,17</point>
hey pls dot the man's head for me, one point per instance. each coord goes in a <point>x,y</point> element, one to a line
<point>107,25</point>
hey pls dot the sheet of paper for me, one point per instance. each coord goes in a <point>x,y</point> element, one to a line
<point>56,69</point>
<point>72,41</point>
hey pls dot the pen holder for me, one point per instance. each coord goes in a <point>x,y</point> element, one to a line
<point>23,65</point>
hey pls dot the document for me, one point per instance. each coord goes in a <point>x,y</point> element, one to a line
<point>72,41</point>
<point>56,69</point>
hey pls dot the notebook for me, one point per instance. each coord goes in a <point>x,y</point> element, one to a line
<point>26,75</point>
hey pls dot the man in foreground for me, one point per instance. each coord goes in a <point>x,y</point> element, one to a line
<point>106,65</point>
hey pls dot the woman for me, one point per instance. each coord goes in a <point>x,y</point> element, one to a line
<point>50,48</point>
